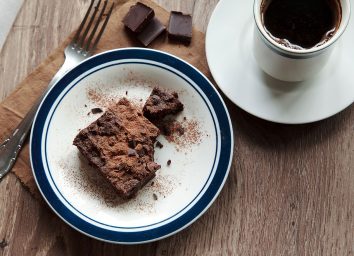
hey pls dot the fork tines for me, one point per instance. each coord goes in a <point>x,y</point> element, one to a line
<point>80,39</point>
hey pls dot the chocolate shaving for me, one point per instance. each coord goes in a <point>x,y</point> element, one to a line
<point>159,144</point>
<point>154,196</point>
<point>96,110</point>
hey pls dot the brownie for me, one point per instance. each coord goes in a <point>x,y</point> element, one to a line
<point>161,103</point>
<point>120,144</point>
<point>138,17</point>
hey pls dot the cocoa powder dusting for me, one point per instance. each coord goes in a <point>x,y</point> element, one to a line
<point>183,134</point>
<point>98,97</point>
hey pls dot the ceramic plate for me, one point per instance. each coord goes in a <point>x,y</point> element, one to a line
<point>229,42</point>
<point>179,193</point>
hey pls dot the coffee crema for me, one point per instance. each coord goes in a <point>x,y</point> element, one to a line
<point>301,24</point>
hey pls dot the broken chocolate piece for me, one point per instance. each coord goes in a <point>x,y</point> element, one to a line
<point>169,162</point>
<point>161,103</point>
<point>180,27</point>
<point>151,32</point>
<point>96,110</point>
<point>159,144</point>
<point>138,17</point>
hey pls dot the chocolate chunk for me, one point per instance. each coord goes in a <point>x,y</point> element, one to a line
<point>132,143</point>
<point>148,149</point>
<point>151,32</point>
<point>154,196</point>
<point>161,103</point>
<point>155,99</point>
<point>132,152</point>
<point>96,110</point>
<point>180,27</point>
<point>121,166</point>
<point>138,17</point>
<point>159,144</point>
<point>169,162</point>
<point>141,150</point>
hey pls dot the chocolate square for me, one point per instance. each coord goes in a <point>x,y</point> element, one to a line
<point>151,32</point>
<point>138,17</point>
<point>180,27</point>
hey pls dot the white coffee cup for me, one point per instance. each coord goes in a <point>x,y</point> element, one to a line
<point>293,65</point>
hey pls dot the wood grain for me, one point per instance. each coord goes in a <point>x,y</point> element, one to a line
<point>290,189</point>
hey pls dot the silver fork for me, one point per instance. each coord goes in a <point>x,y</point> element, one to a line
<point>80,48</point>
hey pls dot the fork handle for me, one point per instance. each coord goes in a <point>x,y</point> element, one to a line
<point>11,147</point>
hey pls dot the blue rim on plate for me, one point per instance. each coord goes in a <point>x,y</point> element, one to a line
<point>144,234</point>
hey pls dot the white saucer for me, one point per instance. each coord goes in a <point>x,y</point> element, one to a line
<point>229,42</point>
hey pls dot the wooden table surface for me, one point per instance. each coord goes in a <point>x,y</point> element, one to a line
<point>290,189</point>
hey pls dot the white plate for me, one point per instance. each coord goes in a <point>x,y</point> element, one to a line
<point>184,190</point>
<point>229,42</point>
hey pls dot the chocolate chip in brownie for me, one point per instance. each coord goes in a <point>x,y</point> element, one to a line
<point>132,152</point>
<point>132,143</point>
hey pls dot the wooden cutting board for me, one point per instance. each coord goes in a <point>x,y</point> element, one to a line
<point>15,107</point>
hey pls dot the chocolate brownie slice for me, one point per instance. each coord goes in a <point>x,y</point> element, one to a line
<point>120,144</point>
<point>161,103</point>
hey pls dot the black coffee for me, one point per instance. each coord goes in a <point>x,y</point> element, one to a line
<point>301,24</point>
